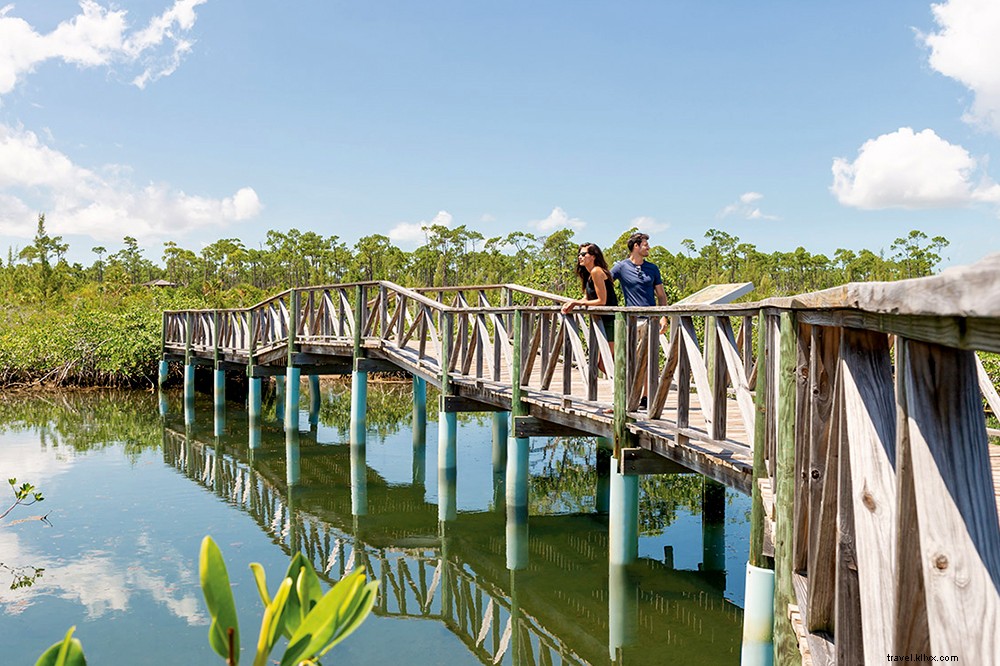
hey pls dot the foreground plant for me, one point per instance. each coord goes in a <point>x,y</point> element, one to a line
<point>312,622</point>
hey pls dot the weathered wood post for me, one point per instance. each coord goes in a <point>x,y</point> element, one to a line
<point>447,429</point>
<point>517,460</point>
<point>786,649</point>
<point>758,612</point>
<point>292,372</point>
<point>602,492</point>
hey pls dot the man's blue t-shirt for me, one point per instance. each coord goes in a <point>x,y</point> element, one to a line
<point>638,282</point>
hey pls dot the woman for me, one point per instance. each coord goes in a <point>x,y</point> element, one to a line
<point>595,278</point>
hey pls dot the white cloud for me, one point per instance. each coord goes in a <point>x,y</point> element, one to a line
<point>95,37</point>
<point>558,219</point>
<point>746,207</point>
<point>649,225</point>
<point>105,205</point>
<point>411,234</point>
<point>966,48</point>
<point>911,170</point>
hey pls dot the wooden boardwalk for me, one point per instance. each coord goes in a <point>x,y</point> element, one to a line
<point>854,416</point>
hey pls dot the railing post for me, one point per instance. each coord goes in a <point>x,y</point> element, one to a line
<point>785,643</point>
<point>188,371</point>
<point>621,384</point>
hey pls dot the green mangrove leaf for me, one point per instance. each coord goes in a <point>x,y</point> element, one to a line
<point>260,577</point>
<point>336,615</point>
<point>68,652</point>
<point>271,623</point>
<point>219,600</point>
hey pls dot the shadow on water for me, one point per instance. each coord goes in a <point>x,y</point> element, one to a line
<point>562,604</point>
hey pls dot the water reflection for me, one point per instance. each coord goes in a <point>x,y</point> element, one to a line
<point>520,573</point>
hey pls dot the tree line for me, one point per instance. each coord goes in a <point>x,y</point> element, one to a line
<point>229,273</point>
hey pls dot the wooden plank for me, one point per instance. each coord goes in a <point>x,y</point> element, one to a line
<point>729,351</point>
<point>986,386</point>
<point>803,398</point>
<point>785,645</point>
<point>956,509</point>
<point>757,506</point>
<point>870,410</point>
<point>847,631</point>
<point>663,384</point>
<point>826,415</point>
<point>457,403</point>
<point>698,370</point>
<point>719,383</point>
<point>531,426</point>
<point>640,461</point>
<point>912,634</point>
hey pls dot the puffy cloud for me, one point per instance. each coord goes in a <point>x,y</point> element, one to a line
<point>746,207</point>
<point>411,234</point>
<point>95,37</point>
<point>966,49</point>
<point>105,204</point>
<point>911,170</point>
<point>558,219</point>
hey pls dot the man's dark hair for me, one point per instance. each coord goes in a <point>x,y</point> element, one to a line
<point>636,239</point>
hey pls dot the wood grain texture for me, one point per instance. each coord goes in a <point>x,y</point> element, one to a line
<point>870,409</point>
<point>959,529</point>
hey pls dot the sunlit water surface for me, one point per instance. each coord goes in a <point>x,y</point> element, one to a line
<point>129,497</point>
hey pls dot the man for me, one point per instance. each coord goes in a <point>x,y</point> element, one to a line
<point>640,279</point>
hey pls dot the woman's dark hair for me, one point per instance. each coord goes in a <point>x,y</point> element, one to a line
<point>599,261</point>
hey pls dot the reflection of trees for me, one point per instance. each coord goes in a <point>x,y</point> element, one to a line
<point>564,480</point>
<point>85,420</point>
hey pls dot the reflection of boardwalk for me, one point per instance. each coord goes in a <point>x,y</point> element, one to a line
<point>555,611</point>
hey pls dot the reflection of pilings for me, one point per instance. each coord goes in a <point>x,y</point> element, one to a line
<point>713,526</point>
<point>359,405</point>
<point>623,610</point>
<point>359,480</point>
<point>253,413</point>
<point>292,467</point>
<point>501,422</point>
<point>292,389</point>
<point>605,449</point>
<point>447,471</point>
<point>164,372</point>
<point>419,431</point>
<point>279,398</point>
<point>219,401</point>
<point>314,400</point>
<point>163,403</point>
<point>517,502</point>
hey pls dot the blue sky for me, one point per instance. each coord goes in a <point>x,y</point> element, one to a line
<point>787,123</point>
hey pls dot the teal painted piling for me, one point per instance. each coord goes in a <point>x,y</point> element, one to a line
<point>292,388</point>
<point>447,470</point>
<point>315,400</point>
<point>359,407</point>
<point>164,373</point>
<point>279,399</point>
<point>623,518</point>
<point>219,402</point>
<point>758,618</point>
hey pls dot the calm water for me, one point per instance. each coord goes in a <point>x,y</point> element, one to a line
<point>129,497</point>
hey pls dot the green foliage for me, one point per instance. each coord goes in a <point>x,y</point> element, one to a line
<point>312,622</point>
<point>26,495</point>
<point>68,652</point>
